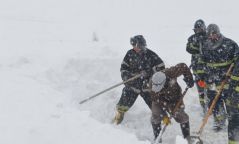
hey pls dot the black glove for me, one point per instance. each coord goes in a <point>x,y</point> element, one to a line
<point>125,77</point>
<point>189,82</point>
<point>144,73</point>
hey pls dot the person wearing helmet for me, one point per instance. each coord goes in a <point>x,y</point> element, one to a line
<point>138,60</point>
<point>194,46</point>
<point>219,53</point>
<point>166,93</point>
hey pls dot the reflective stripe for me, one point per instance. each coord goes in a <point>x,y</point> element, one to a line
<point>219,64</point>
<point>198,71</point>
<point>216,88</point>
<point>233,142</point>
<point>237,89</point>
<point>201,61</point>
<point>122,108</point>
<point>229,104</point>
<point>125,63</point>
<point>220,117</point>
<point>158,66</point>
<point>201,99</point>
<point>124,71</point>
<point>236,78</point>
<point>135,90</point>
<point>226,86</point>
<point>193,47</point>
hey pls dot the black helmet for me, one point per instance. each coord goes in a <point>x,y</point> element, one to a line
<point>138,41</point>
<point>213,32</point>
<point>199,26</point>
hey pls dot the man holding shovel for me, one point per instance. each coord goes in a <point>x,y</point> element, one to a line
<point>167,98</point>
<point>232,104</point>
<point>138,61</point>
<point>219,53</point>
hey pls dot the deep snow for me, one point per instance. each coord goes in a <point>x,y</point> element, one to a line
<point>55,53</point>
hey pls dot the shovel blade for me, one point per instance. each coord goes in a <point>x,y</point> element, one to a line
<point>195,140</point>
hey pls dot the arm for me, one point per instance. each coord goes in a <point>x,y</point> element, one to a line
<point>158,63</point>
<point>153,64</point>
<point>193,46</point>
<point>181,69</point>
<point>125,68</point>
<point>234,79</point>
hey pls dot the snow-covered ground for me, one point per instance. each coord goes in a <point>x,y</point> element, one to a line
<point>55,53</point>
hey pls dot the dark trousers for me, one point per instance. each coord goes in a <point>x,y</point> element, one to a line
<point>180,116</point>
<point>233,124</point>
<point>201,93</point>
<point>129,96</point>
<point>219,112</point>
<point>233,120</point>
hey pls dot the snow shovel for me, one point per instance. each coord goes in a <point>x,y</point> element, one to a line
<point>114,86</point>
<point>209,112</point>
<point>159,138</point>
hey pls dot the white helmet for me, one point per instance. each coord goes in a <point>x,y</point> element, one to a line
<point>158,81</point>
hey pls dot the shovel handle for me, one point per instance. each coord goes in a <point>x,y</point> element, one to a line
<point>209,112</point>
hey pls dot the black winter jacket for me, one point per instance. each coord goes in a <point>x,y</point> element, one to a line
<point>218,57</point>
<point>194,46</point>
<point>134,63</point>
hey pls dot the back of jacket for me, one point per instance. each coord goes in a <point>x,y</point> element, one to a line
<point>171,92</point>
<point>218,58</point>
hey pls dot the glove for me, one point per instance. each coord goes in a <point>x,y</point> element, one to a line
<point>130,83</point>
<point>166,120</point>
<point>201,84</point>
<point>144,73</point>
<point>125,77</point>
<point>189,82</point>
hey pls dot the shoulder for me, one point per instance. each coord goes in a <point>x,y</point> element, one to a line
<point>178,66</point>
<point>181,65</point>
<point>229,41</point>
<point>131,51</point>
<point>150,52</point>
<point>192,38</point>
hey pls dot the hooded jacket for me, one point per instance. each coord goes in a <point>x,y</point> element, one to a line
<point>172,92</point>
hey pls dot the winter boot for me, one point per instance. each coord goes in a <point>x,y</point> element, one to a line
<point>219,126</point>
<point>219,123</point>
<point>185,127</point>
<point>188,138</point>
<point>202,103</point>
<point>119,117</point>
<point>156,130</point>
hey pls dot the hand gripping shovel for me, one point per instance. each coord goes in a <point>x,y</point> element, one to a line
<point>159,138</point>
<point>209,112</point>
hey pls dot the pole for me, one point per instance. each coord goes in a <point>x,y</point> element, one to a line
<point>114,86</point>
<point>209,112</point>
